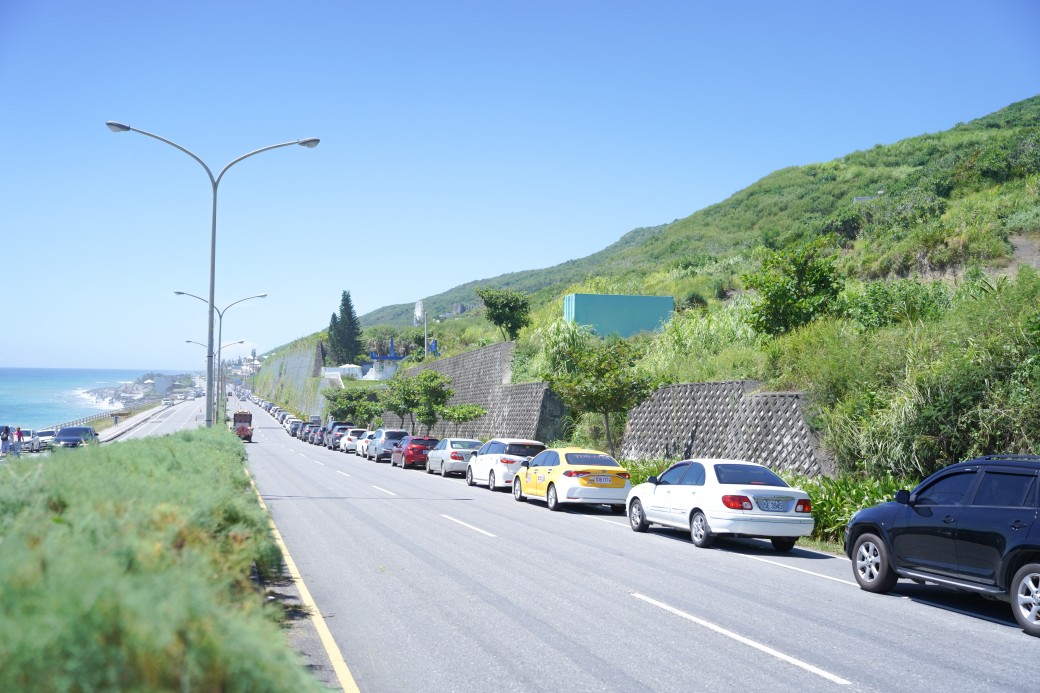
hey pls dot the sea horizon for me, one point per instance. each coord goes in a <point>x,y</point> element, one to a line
<point>43,397</point>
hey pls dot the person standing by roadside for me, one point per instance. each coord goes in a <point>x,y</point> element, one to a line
<point>5,440</point>
<point>18,438</point>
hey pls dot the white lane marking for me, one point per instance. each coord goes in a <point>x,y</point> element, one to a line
<point>475,529</point>
<point>317,462</point>
<point>383,490</point>
<point>343,473</point>
<point>802,570</point>
<point>603,519</point>
<point>741,639</point>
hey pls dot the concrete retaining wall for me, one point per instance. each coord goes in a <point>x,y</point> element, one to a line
<point>728,420</point>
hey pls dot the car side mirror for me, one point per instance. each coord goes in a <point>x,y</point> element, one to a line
<point>652,480</point>
<point>525,463</point>
<point>903,496</point>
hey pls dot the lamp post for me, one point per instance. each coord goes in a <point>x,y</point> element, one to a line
<point>220,326</point>
<point>310,142</point>
<point>192,341</point>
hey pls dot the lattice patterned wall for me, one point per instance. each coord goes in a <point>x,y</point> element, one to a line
<point>727,420</point>
<point>526,410</point>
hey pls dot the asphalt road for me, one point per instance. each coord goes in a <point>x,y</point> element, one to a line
<point>427,584</point>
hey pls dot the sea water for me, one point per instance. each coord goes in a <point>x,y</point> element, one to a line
<point>43,397</point>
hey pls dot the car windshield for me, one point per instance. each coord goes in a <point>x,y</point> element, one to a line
<point>747,474</point>
<point>524,449</point>
<point>591,459</point>
<point>45,433</point>
<point>465,444</point>
<point>80,431</point>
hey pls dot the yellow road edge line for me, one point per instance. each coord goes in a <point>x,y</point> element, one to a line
<point>343,675</point>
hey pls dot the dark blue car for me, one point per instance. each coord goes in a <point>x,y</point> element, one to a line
<point>74,436</point>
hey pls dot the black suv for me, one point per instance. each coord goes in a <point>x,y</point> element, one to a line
<point>971,526</point>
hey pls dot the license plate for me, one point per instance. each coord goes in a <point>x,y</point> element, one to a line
<point>605,480</point>
<point>771,505</point>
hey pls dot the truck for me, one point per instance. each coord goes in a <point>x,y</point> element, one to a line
<point>242,425</point>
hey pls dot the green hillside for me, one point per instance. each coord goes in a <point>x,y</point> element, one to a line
<point>949,199</point>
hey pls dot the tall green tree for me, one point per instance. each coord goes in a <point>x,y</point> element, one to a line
<point>334,347</point>
<point>402,398</point>
<point>508,310</point>
<point>794,287</point>
<point>433,392</point>
<point>604,380</point>
<point>350,404</point>
<point>345,333</point>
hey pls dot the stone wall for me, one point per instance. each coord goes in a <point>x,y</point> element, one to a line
<point>292,379</point>
<point>525,410</point>
<point>727,420</point>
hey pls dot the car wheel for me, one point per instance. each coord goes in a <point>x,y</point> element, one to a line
<point>871,565</point>
<point>428,470</point>
<point>491,481</point>
<point>1025,602</point>
<point>636,516</point>
<point>551,500</point>
<point>444,472</point>
<point>518,493</point>
<point>700,532</point>
<point>469,477</point>
<point>783,545</point>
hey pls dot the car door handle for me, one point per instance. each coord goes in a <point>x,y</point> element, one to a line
<point>1018,524</point>
<point>949,519</point>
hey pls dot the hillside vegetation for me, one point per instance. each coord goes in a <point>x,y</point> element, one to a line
<point>920,357</point>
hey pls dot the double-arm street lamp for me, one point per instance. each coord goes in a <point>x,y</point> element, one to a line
<point>310,142</point>
<point>192,341</point>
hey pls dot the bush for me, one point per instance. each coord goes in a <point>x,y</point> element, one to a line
<point>835,500</point>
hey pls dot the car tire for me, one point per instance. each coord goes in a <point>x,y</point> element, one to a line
<point>469,477</point>
<point>518,492</point>
<point>427,465</point>
<point>700,532</point>
<point>1025,600</point>
<point>871,565</point>
<point>444,472</point>
<point>783,544</point>
<point>552,501</point>
<point>636,516</point>
<point>491,481</point>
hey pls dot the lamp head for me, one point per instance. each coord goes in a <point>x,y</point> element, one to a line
<point>119,127</point>
<point>309,143</point>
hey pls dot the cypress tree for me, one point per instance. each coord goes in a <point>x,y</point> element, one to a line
<point>349,330</point>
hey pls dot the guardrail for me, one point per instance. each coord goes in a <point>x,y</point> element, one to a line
<point>86,420</point>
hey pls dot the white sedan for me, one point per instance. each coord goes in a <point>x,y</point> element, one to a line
<point>713,498</point>
<point>498,460</point>
<point>450,456</point>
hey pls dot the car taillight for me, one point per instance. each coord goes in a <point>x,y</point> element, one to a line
<point>457,456</point>
<point>505,460</point>
<point>623,475</point>
<point>804,506</point>
<point>737,502</point>
<point>576,472</point>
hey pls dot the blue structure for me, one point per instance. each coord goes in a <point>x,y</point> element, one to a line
<point>623,316</point>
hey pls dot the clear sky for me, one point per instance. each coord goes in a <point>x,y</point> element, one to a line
<point>459,141</point>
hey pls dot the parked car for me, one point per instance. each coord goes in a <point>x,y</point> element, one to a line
<point>30,440</point>
<point>362,444</point>
<point>450,456</point>
<point>498,460</point>
<point>46,437</point>
<point>411,450</point>
<point>75,436</point>
<point>349,441</point>
<point>713,498</point>
<point>294,428</point>
<point>573,475</point>
<point>332,439</point>
<point>330,427</point>
<point>317,436</point>
<point>305,431</point>
<point>971,526</point>
<point>383,441</point>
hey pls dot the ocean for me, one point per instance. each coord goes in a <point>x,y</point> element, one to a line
<point>43,397</point>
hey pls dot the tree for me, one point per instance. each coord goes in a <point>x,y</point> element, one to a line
<point>345,333</point>
<point>794,287</point>
<point>508,310</point>
<point>349,404</point>
<point>604,380</point>
<point>401,397</point>
<point>433,393</point>
<point>334,347</point>
<point>462,413</point>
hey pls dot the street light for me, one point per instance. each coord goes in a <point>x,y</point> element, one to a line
<point>220,323</point>
<point>310,143</point>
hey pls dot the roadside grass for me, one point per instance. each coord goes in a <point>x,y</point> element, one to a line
<point>109,422</point>
<point>127,567</point>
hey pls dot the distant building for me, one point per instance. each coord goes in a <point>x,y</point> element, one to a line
<point>383,367</point>
<point>348,370</point>
<point>624,316</point>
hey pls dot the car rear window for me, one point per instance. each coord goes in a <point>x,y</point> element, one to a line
<point>395,435</point>
<point>425,441</point>
<point>591,459</point>
<point>747,474</point>
<point>523,449</point>
<point>465,444</point>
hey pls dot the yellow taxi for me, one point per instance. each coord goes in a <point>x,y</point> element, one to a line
<point>573,475</point>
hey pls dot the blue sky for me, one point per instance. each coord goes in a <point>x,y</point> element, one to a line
<point>459,141</point>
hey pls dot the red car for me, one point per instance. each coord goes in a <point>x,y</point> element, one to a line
<point>412,450</point>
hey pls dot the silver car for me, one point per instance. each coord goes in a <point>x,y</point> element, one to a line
<point>450,456</point>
